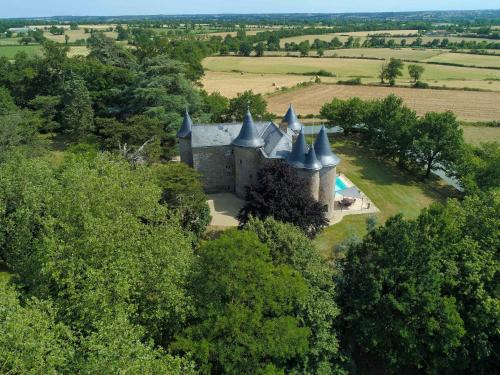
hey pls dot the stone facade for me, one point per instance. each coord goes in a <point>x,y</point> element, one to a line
<point>216,165</point>
<point>229,156</point>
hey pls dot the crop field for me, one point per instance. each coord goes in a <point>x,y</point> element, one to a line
<point>347,68</point>
<point>467,105</point>
<point>386,53</point>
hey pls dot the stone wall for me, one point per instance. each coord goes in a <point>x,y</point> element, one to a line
<point>216,165</point>
<point>327,177</point>
<point>312,181</point>
<point>185,151</point>
<point>247,163</point>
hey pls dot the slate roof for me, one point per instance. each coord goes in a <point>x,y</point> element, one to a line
<point>187,125</point>
<point>312,161</point>
<point>297,157</point>
<point>324,151</point>
<point>249,136</point>
<point>292,120</point>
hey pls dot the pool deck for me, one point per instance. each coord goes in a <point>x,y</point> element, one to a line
<point>361,206</point>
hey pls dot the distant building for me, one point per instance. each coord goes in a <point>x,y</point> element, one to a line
<point>21,30</point>
<point>228,156</point>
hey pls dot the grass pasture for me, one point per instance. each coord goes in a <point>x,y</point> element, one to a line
<point>466,59</point>
<point>11,51</point>
<point>420,54</point>
<point>391,190</point>
<point>341,67</point>
<point>481,134</point>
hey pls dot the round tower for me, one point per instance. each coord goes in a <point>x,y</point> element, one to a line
<point>290,121</point>
<point>184,137</point>
<point>246,155</point>
<point>328,172</point>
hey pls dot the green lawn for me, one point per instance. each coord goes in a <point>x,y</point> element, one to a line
<point>391,190</point>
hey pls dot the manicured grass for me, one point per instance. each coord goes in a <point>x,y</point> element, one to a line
<point>478,134</point>
<point>11,51</point>
<point>390,189</point>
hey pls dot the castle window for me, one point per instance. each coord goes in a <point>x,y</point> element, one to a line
<point>241,161</point>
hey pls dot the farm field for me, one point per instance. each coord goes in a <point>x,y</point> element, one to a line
<point>75,35</point>
<point>11,51</point>
<point>363,35</point>
<point>466,59</point>
<point>345,68</point>
<point>391,190</point>
<point>467,105</point>
<point>386,53</point>
<point>480,134</point>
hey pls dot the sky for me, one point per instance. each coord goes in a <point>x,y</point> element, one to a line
<point>42,8</point>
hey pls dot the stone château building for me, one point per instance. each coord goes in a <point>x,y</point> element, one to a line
<point>228,156</point>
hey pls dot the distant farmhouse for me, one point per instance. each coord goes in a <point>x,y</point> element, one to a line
<point>21,30</point>
<point>228,156</point>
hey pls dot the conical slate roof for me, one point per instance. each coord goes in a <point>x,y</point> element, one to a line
<point>187,125</point>
<point>312,161</point>
<point>323,150</point>
<point>297,157</point>
<point>292,120</point>
<point>249,136</point>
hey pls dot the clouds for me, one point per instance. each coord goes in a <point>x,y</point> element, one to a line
<point>36,8</point>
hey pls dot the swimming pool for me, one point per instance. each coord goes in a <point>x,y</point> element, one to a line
<point>339,184</point>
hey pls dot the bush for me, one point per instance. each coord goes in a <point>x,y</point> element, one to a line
<point>421,85</point>
<point>353,82</point>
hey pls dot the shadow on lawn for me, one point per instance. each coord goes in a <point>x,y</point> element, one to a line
<point>378,171</point>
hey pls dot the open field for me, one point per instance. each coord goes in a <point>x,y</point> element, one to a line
<point>363,35</point>
<point>340,67</point>
<point>467,105</point>
<point>479,134</point>
<point>391,190</point>
<point>467,59</point>
<point>420,54</point>
<point>11,51</point>
<point>75,35</point>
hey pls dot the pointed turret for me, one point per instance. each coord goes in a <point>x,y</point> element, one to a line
<point>324,151</point>
<point>249,136</point>
<point>312,161</point>
<point>187,125</point>
<point>297,157</point>
<point>291,120</point>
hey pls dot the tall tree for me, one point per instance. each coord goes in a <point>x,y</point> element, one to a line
<point>77,113</point>
<point>346,114</point>
<point>244,321</point>
<point>420,294</point>
<point>391,70</point>
<point>239,105</point>
<point>415,71</point>
<point>289,246</point>
<point>279,193</point>
<point>438,141</point>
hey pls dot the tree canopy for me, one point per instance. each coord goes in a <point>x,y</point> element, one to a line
<point>279,193</point>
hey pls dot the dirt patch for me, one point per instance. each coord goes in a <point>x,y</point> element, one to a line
<point>467,105</point>
<point>224,208</point>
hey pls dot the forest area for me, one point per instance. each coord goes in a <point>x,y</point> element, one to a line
<point>107,267</point>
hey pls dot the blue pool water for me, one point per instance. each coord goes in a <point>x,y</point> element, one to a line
<point>339,184</point>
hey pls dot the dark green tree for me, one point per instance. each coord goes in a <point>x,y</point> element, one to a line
<point>420,294</point>
<point>438,141</point>
<point>391,70</point>
<point>77,113</point>
<point>345,113</point>
<point>238,106</point>
<point>244,322</point>
<point>279,193</point>
<point>289,246</point>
